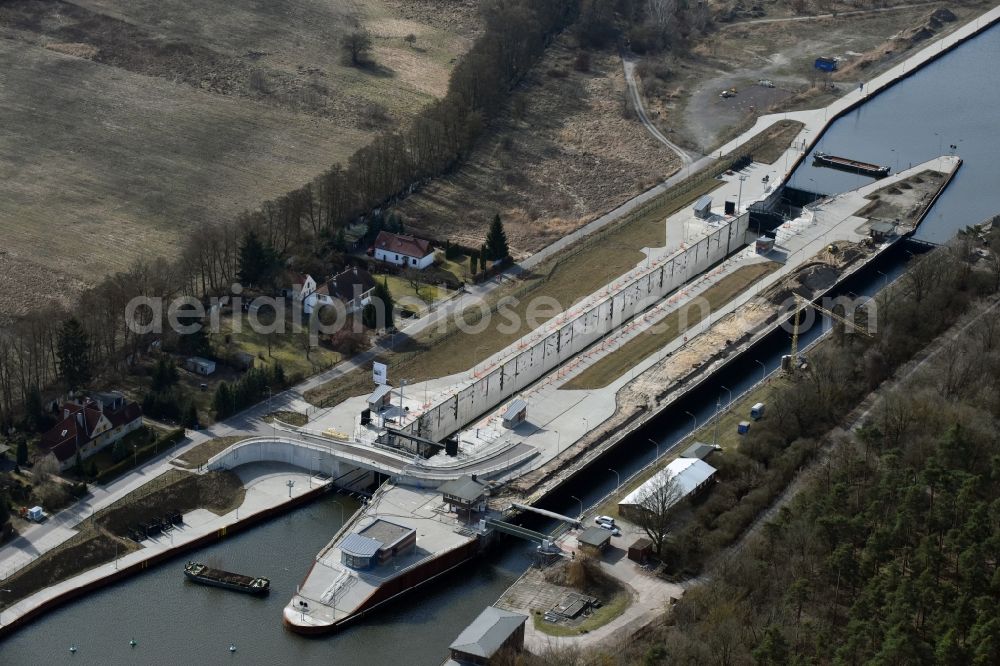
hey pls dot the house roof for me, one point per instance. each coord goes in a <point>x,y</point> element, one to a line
<point>201,361</point>
<point>464,488</point>
<point>402,244</point>
<point>698,450</point>
<point>514,408</point>
<point>594,536</point>
<point>78,423</point>
<point>351,283</point>
<point>488,632</point>
<point>360,546</point>
<point>642,543</point>
<point>686,473</point>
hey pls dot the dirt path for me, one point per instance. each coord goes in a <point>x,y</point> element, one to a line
<point>629,66</point>
<point>814,17</point>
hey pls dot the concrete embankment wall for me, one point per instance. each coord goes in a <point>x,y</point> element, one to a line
<point>580,330</point>
<point>346,475</point>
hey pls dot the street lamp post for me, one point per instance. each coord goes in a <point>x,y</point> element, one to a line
<point>581,505</point>
<point>558,444</point>
<point>739,196</point>
<point>618,479</point>
<point>718,407</point>
<point>290,484</point>
<point>885,278</point>
<point>730,395</point>
<point>763,369</point>
<point>694,420</point>
<point>657,445</point>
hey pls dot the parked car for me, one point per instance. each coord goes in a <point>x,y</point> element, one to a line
<point>767,83</point>
<point>604,519</point>
<point>611,528</point>
<point>729,92</point>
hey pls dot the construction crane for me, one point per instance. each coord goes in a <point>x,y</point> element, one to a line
<point>803,303</point>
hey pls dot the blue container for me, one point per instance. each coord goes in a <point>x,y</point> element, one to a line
<point>826,64</point>
<point>743,427</point>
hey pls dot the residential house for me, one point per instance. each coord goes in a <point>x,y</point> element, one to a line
<point>310,294</point>
<point>404,250</point>
<point>89,425</point>
<point>353,286</point>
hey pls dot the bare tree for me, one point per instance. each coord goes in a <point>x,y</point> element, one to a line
<point>655,509</point>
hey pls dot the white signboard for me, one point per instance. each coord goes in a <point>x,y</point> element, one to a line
<point>380,373</point>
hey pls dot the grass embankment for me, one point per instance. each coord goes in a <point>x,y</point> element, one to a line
<point>100,539</point>
<point>776,140</point>
<point>199,455</point>
<point>668,328</point>
<point>576,273</point>
<point>297,419</point>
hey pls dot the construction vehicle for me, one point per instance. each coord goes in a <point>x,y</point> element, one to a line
<point>801,305</point>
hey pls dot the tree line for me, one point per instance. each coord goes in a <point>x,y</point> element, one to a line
<point>394,164</point>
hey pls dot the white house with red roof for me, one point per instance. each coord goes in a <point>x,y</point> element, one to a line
<point>89,425</point>
<point>404,250</point>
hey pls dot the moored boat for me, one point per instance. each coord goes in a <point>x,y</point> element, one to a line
<point>206,575</point>
<point>854,166</point>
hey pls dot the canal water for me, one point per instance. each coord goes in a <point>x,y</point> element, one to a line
<point>175,622</point>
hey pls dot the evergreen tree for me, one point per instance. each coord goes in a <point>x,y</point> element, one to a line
<point>164,375</point>
<point>257,262</point>
<point>73,351</point>
<point>223,401</point>
<point>34,413</point>
<point>474,263</point>
<point>279,381</point>
<point>190,415</point>
<point>378,314</point>
<point>22,451</point>
<point>496,241</point>
<point>340,241</point>
<point>773,650</point>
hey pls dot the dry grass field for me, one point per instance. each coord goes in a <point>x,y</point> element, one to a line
<point>564,152</point>
<point>127,122</point>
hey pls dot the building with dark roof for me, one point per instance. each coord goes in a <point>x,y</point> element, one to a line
<point>466,493</point>
<point>494,630</point>
<point>594,540</point>
<point>698,450</point>
<point>353,286</point>
<point>403,250</point>
<point>88,426</point>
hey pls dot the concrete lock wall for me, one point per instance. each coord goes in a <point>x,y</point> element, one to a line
<point>541,356</point>
<point>345,474</point>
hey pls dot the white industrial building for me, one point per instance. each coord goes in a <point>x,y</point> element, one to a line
<point>690,475</point>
